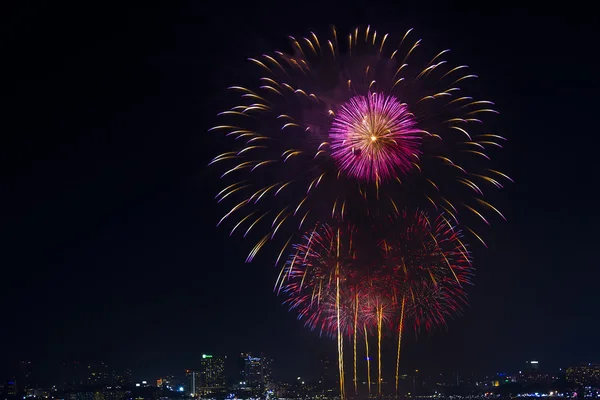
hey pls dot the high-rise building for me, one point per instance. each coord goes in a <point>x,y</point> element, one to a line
<point>76,375</point>
<point>179,384</point>
<point>121,378</point>
<point>194,381</point>
<point>98,374</point>
<point>584,374</point>
<point>10,390</point>
<point>532,373</point>
<point>255,372</point>
<point>73,375</point>
<point>532,366</point>
<point>328,373</point>
<point>24,376</point>
<point>212,373</point>
<point>168,382</point>
<point>267,370</point>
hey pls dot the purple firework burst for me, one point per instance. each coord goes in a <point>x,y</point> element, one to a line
<point>374,136</point>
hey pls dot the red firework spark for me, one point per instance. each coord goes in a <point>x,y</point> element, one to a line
<point>309,277</point>
<point>432,267</point>
<point>420,261</point>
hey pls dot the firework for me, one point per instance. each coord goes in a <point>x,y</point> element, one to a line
<point>333,252</point>
<point>310,278</point>
<point>353,125</point>
<point>332,280</point>
<point>345,282</point>
<point>408,270</point>
<point>354,129</point>
<point>431,267</point>
<point>373,137</point>
<point>431,264</point>
<point>321,280</point>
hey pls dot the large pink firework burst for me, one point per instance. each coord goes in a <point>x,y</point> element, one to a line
<point>373,137</point>
<point>301,149</point>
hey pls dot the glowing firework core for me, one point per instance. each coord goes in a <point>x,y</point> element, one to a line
<point>373,137</point>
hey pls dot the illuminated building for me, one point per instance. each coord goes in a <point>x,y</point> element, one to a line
<point>504,379</point>
<point>532,373</point>
<point>10,390</point>
<point>73,375</point>
<point>584,374</point>
<point>255,372</point>
<point>169,382</point>
<point>212,374</point>
<point>76,375</point>
<point>194,381</point>
<point>114,393</point>
<point>328,373</point>
<point>532,366</point>
<point>98,374</point>
<point>122,379</point>
<point>24,376</point>
<point>267,364</point>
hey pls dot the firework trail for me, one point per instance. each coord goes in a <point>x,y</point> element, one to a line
<point>321,280</point>
<point>332,282</point>
<point>356,124</point>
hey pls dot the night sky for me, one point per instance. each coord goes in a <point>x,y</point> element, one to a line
<point>109,244</point>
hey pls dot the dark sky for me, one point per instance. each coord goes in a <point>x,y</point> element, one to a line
<point>109,245</point>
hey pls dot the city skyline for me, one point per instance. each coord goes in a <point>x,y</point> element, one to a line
<point>100,381</point>
<point>242,369</point>
<point>110,245</point>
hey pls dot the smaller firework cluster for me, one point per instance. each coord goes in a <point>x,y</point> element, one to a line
<point>367,284</point>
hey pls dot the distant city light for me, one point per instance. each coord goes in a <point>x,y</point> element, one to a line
<point>257,383</point>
